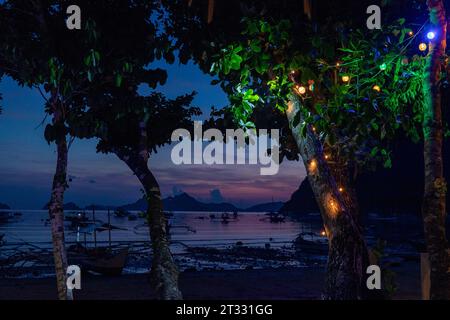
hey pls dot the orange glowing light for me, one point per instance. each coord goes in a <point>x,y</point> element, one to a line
<point>345,79</point>
<point>422,46</point>
<point>301,89</point>
<point>313,165</point>
<point>376,88</point>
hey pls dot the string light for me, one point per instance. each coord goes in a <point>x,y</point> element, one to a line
<point>313,165</point>
<point>422,46</point>
<point>301,89</point>
<point>338,64</point>
<point>327,157</point>
<point>376,88</point>
<point>311,85</point>
<point>410,33</point>
<point>383,66</point>
<point>323,233</point>
<point>345,79</point>
<point>431,35</point>
<point>341,189</point>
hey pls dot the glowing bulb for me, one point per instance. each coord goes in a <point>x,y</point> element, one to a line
<point>422,46</point>
<point>338,64</point>
<point>341,189</point>
<point>345,79</point>
<point>313,165</point>
<point>327,157</point>
<point>410,33</point>
<point>376,88</point>
<point>311,87</point>
<point>431,35</point>
<point>301,89</point>
<point>383,67</point>
<point>323,233</point>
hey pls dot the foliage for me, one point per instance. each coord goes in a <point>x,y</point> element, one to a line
<point>118,120</point>
<point>37,50</point>
<point>356,118</point>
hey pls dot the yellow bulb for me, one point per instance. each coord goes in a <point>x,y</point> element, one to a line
<point>301,89</point>
<point>338,64</point>
<point>313,165</point>
<point>376,88</point>
<point>422,46</point>
<point>327,157</point>
<point>345,79</point>
<point>341,189</point>
<point>410,33</point>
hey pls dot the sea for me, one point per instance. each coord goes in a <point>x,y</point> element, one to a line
<point>199,240</point>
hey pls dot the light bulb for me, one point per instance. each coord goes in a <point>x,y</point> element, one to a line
<point>376,88</point>
<point>431,35</point>
<point>301,89</point>
<point>345,79</point>
<point>383,66</point>
<point>422,46</point>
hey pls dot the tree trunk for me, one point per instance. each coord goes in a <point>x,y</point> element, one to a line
<point>433,210</point>
<point>164,270</point>
<point>348,255</point>
<point>56,209</point>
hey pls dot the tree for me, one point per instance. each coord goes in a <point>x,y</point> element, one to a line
<point>37,50</point>
<point>345,90</point>
<point>32,53</point>
<point>132,127</point>
<point>434,201</point>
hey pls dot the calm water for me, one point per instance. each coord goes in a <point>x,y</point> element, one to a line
<point>199,229</point>
<point>188,228</point>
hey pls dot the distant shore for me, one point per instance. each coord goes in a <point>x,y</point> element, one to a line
<point>266,284</point>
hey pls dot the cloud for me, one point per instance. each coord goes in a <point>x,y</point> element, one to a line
<point>216,196</point>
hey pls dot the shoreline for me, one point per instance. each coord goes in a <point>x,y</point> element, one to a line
<point>257,284</point>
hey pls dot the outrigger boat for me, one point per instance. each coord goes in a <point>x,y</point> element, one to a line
<point>101,260</point>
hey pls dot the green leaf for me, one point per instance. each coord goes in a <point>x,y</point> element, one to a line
<point>118,80</point>
<point>235,62</point>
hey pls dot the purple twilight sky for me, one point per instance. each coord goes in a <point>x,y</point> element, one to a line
<point>27,161</point>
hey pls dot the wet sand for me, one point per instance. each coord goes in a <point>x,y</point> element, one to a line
<point>267,284</point>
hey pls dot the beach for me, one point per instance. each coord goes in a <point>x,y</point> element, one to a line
<point>265,284</point>
<point>248,258</point>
